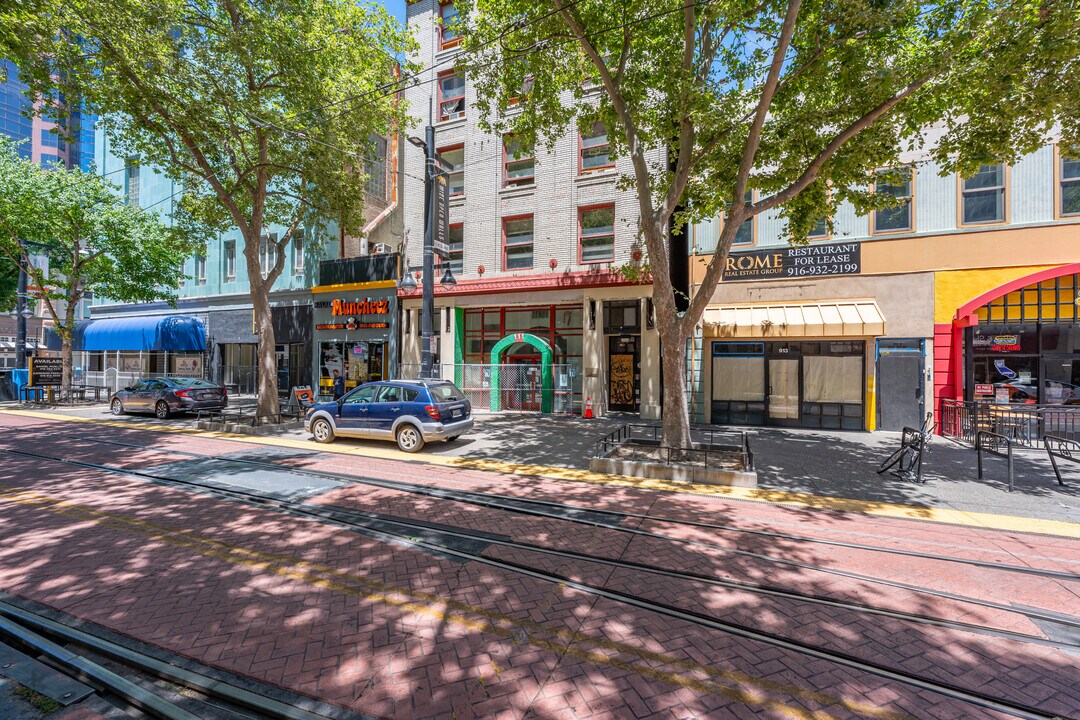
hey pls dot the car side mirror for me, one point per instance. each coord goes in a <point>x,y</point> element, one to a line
<point>127,389</point>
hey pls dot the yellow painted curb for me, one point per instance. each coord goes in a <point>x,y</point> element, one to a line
<point>945,516</point>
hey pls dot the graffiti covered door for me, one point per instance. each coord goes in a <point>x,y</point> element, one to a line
<point>624,373</point>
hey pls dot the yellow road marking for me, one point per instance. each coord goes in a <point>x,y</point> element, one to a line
<point>989,521</point>
<point>453,611</point>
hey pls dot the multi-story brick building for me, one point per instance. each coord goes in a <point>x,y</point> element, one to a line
<point>535,239</point>
<point>970,290</point>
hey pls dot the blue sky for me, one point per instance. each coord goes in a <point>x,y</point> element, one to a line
<point>397,7</point>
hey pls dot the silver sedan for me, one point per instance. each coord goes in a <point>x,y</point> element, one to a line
<point>165,396</point>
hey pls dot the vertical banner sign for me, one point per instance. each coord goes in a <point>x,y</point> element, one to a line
<point>441,231</point>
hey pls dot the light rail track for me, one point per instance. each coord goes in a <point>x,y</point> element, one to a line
<point>567,512</point>
<point>335,517</point>
<point>579,514</point>
<point>224,701</point>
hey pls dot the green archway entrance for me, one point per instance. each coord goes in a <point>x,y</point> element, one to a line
<point>547,379</point>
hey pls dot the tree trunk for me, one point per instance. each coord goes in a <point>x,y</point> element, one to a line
<point>266,354</point>
<point>66,357</point>
<point>676,416</point>
<point>267,408</point>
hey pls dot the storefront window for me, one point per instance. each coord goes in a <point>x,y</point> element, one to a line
<point>832,379</point>
<point>1026,363</point>
<point>358,362</point>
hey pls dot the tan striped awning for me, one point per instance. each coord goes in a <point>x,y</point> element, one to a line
<point>832,318</point>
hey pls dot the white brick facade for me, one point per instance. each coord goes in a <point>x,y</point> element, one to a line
<point>554,199</point>
<point>559,190</point>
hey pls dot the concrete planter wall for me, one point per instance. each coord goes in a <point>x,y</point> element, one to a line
<point>674,473</point>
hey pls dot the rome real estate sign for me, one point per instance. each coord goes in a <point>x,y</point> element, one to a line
<point>794,262</point>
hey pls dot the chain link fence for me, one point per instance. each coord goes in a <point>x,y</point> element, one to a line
<point>509,387</point>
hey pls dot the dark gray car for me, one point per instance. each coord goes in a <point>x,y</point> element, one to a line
<point>167,395</point>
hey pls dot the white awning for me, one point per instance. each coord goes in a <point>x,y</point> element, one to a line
<point>834,318</point>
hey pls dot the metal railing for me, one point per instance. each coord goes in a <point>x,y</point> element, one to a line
<point>1025,425</point>
<point>992,442</point>
<point>114,379</point>
<point>643,443</point>
<point>1059,447</point>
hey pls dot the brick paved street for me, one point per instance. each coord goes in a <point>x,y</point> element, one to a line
<point>388,630</point>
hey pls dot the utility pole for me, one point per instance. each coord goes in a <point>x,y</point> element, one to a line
<point>427,309</point>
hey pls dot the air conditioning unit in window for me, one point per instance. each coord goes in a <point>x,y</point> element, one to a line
<point>380,249</point>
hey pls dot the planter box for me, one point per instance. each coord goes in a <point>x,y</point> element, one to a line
<point>245,428</point>
<point>635,451</point>
<point>674,473</point>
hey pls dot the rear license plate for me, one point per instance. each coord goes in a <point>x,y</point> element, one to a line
<point>455,414</point>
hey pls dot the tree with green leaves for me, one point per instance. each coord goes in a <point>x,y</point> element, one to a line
<point>800,100</point>
<point>9,284</point>
<point>91,239</point>
<point>264,110</point>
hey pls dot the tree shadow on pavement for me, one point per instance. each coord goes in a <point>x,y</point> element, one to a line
<point>395,632</point>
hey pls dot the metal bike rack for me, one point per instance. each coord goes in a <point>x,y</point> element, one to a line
<point>1064,448</point>
<point>993,445</point>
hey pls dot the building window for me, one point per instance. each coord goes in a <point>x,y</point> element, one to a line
<point>448,35</point>
<point>454,156</point>
<point>897,184</point>
<point>230,261</point>
<point>376,169</point>
<point>451,96</point>
<point>298,252</point>
<point>200,270</point>
<point>49,139</point>
<point>745,234</point>
<point>518,243</point>
<point>983,196</point>
<point>820,231</point>
<point>267,253</point>
<point>457,248</point>
<point>131,181</point>
<point>48,160</point>
<point>593,150</point>
<point>519,164</point>
<point>181,274</point>
<point>597,234</point>
<point>1070,187</point>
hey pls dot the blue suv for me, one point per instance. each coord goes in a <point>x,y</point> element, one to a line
<point>411,412</point>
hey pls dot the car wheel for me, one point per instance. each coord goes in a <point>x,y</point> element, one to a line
<point>409,439</point>
<point>117,407</point>
<point>322,431</point>
<point>161,410</point>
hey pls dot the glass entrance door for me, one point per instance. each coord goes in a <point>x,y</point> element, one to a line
<point>521,383</point>
<point>784,390</point>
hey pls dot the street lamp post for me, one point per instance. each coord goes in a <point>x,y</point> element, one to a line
<point>432,171</point>
<point>427,357</point>
<point>21,311</point>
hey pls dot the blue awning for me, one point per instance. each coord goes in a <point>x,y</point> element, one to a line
<point>172,333</point>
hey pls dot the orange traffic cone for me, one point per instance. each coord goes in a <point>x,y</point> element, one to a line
<point>588,408</point>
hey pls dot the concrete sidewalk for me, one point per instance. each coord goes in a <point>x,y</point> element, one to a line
<point>829,464</point>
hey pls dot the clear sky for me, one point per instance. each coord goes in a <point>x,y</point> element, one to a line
<point>397,7</point>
